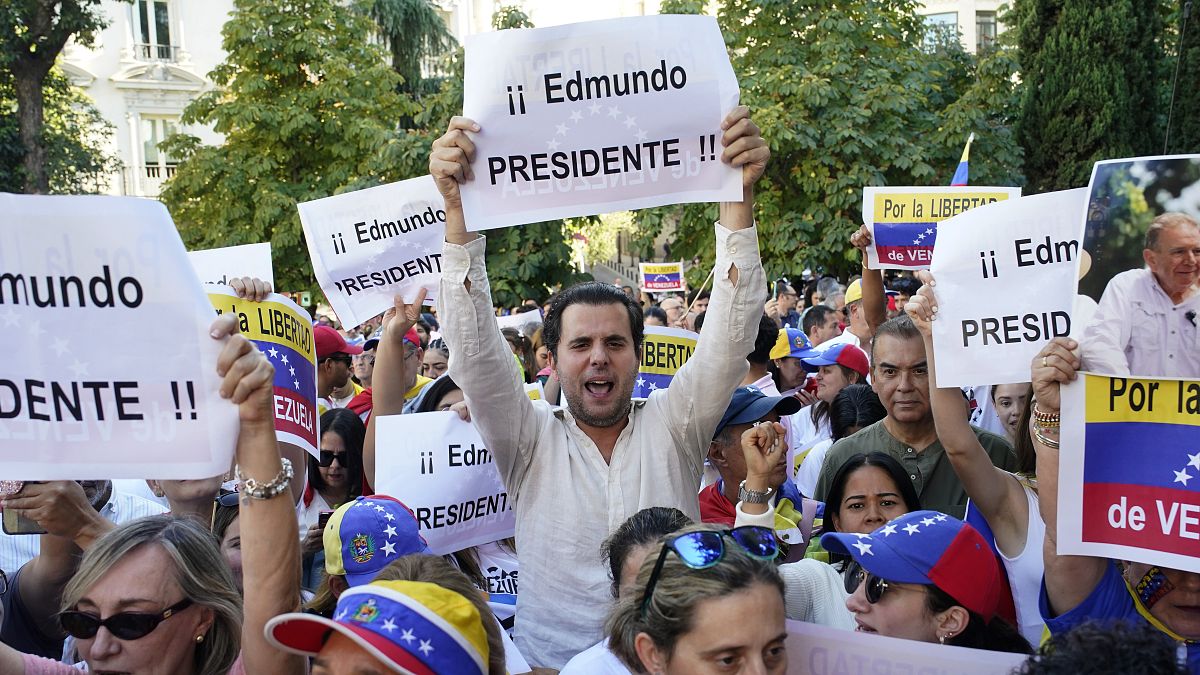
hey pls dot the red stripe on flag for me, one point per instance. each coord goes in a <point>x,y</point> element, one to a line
<point>294,415</point>
<point>906,256</point>
<point>1156,518</point>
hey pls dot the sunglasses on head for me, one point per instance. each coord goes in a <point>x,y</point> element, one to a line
<point>123,626</point>
<point>328,457</point>
<point>704,549</point>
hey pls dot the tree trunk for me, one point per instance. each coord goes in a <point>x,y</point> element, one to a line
<point>30,103</point>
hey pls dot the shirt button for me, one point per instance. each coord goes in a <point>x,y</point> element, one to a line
<point>733,250</point>
<point>914,476</point>
<point>910,450</point>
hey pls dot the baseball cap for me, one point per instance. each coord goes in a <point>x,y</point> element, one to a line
<point>792,342</point>
<point>929,548</point>
<point>412,337</point>
<point>841,353</point>
<point>412,626</point>
<point>330,342</point>
<point>364,535</point>
<point>854,291</point>
<point>750,404</point>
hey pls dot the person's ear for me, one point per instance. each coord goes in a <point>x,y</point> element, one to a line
<point>652,658</point>
<point>337,585</point>
<point>155,487</point>
<point>951,622</point>
<point>1148,257</point>
<point>207,617</point>
<point>716,455</point>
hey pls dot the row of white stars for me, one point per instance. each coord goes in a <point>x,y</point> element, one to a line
<point>890,529</point>
<point>390,626</point>
<point>921,237</point>
<point>1183,476</point>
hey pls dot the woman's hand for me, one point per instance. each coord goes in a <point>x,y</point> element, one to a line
<point>313,540</point>
<point>1056,364</point>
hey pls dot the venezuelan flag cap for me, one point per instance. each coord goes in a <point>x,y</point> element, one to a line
<point>364,535</point>
<point>412,627</point>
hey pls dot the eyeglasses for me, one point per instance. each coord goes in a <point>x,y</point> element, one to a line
<point>364,358</point>
<point>875,586</point>
<point>704,549</point>
<point>123,626</point>
<point>340,358</point>
<point>328,457</point>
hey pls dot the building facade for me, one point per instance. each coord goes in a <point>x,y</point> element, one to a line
<point>974,20</point>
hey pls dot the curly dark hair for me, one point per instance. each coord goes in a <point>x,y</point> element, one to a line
<point>1094,647</point>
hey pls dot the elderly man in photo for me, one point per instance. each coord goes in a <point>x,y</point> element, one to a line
<point>576,474</point>
<point>1146,322</point>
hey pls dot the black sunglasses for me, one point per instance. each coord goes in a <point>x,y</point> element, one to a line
<point>123,626</point>
<point>704,549</point>
<point>875,586</point>
<point>328,457</point>
<point>341,358</point>
<point>228,499</point>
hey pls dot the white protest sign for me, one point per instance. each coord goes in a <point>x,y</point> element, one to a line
<point>903,221</point>
<point>820,650</point>
<point>109,370</point>
<point>219,265</point>
<point>440,468</point>
<point>597,117</point>
<point>526,323</point>
<point>1005,285</point>
<point>370,245</point>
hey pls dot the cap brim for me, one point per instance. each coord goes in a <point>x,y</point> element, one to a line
<point>882,561</point>
<point>352,349</point>
<point>370,344</point>
<point>306,634</point>
<point>784,405</point>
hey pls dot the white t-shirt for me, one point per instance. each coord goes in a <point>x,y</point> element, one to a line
<point>595,660</point>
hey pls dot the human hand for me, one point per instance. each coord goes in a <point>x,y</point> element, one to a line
<point>59,506</point>
<point>861,239</point>
<point>771,309</point>
<point>450,159</point>
<point>805,397</point>
<point>922,307</point>
<point>313,540</point>
<point>464,413</point>
<point>762,446</point>
<point>1056,364</point>
<point>744,145</point>
<point>247,376</point>
<point>250,288</point>
<point>402,316</point>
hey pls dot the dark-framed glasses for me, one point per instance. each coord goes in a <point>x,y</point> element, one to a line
<point>874,586</point>
<point>327,458</point>
<point>123,626</point>
<point>705,548</point>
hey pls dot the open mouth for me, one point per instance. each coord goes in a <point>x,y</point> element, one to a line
<point>864,628</point>
<point>599,387</point>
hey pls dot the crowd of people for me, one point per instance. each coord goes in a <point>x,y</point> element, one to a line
<point>803,465</point>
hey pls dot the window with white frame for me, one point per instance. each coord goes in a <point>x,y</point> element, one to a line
<point>154,130</point>
<point>152,30</point>
<point>985,31</point>
<point>942,29</point>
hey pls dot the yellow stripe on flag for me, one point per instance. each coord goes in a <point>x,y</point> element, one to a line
<point>1122,399</point>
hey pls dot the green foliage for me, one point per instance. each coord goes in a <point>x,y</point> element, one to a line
<point>847,95</point>
<point>1185,123</point>
<point>1092,72</point>
<point>601,233</point>
<point>74,133</point>
<point>510,16</point>
<point>306,105</point>
<point>415,34</point>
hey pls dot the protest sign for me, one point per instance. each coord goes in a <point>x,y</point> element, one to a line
<point>1144,322</point>
<point>1129,456</point>
<point>109,368</point>
<point>535,391</point>
<point>370,245</point>
<point>282,331</point>
<point>1005,286</point>
<point>219,265</point>
<point>664,351</point>
<point>662,277</point>
<point>597,117</point>
<point>813,649</point>
<point>904,220</point>
<point>440,468</point>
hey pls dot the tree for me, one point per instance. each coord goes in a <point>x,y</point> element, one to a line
<point>416,35</point>
<point>32,34</point>
<point>307,105</point>
<point>1091,74</point>
<point>74,134</point>
<point>1185,123</point>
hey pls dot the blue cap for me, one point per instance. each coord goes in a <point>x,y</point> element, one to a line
<point>749,404</point>
<point>364,535</point>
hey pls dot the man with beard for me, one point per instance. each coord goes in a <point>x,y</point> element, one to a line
<point>577,473</point>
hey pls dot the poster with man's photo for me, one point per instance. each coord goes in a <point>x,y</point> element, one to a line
<point>1137,310</point>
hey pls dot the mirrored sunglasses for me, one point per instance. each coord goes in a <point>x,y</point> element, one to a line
<point>704,549</point>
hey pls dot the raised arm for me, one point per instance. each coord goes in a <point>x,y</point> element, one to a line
<point>874,299</point>
<point>700,391</point>
<point>995,492</point>
<point>388,381</point>
<point>270,540</point>
<point>1069,579</point>
<point>480,360</point>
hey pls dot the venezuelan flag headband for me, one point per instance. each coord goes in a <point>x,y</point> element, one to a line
<point>413,627</point>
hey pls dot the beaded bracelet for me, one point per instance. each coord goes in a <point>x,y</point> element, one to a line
<point>1045,420</point>
<point>252,489</point>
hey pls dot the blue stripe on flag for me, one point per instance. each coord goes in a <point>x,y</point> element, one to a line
<point>650,382</point>
<point>1141,453</point>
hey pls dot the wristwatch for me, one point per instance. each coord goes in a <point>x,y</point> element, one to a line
<point>754,496</point>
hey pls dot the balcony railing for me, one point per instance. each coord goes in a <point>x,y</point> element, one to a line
<point>159,171</point>
<point>148,52</point>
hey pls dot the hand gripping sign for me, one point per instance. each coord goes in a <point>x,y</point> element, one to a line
<point>904,220</point>
<point>109,370</point>
<point>219,265</point>
<point>597,117</point>
<point>1129,470</point>
<point>440,468</point>
<point>283,331</point>
<point>1005,286</point>
<point>370,245</point>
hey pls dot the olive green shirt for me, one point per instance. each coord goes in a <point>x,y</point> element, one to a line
<point>930,470</point>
